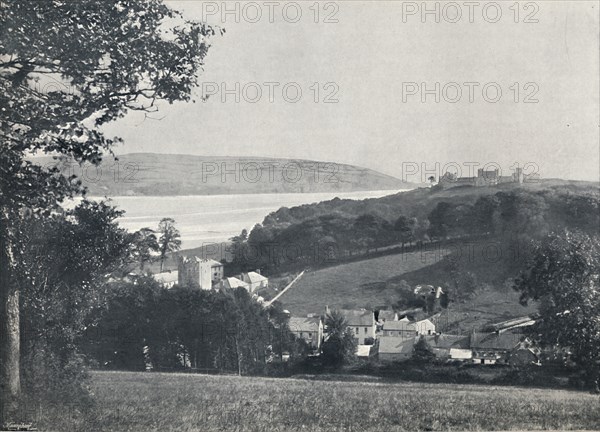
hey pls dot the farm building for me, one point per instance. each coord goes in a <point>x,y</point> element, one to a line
<point>407,328</point>
<point>492,348</point>
<point>522,356</point>
<point>449,347</point>
<point>232,283</point>
<point>395,348</point>
<point>254,280</point>
<point>167,279</point>
<point>511,324</point>
<point>401,328</point>
<point>460,354</point>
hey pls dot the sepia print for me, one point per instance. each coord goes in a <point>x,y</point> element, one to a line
<point>299,215</point>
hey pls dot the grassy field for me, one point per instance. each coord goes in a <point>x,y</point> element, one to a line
<point>357,284</point>
<point>164,402</point>
<point>372,283</point>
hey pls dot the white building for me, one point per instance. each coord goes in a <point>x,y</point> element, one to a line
<point>254,280</point>
<point>197,272</point>
<point>168,278</point>
<point>362,323</point>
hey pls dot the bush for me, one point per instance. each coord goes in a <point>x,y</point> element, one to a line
<point>526,376</point>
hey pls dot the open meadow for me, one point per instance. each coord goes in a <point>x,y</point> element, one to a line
<point>130,401</point>
<point>356,284</point>
<point>373,283</point>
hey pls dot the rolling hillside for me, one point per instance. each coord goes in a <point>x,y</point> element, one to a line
<point>373,283</point>
<point>167,174</point>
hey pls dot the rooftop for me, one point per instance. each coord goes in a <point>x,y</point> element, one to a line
<point>304,324</point>
<point>446,341</point>
<point>253,277</point>
<point>396,345</point>
<point>494,342</point>
<point>387,315</point>
<point>358,317</point>
<point>167,277</point>
<point>232,282</point>
<point>402,325</point>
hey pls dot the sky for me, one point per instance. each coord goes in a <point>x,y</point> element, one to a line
<point>369,74</point>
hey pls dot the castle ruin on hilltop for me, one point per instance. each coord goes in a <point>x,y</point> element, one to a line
<point>486,178</point>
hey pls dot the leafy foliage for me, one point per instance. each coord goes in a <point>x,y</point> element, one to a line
<point>146,324</point>
<point>169,240</point>
<point>564,277</point>
<point>340,345</point>
<point>62,265</point>
<point>66,69</point>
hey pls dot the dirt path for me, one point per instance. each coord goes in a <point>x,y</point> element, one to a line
<point>286,288</point>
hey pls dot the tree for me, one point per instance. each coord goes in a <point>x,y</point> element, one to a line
<point>63,264</point>
<point>431,179</point>
<point>405,228</point>
<point>340,345</point>
<point>169,240</point>
<point>440,220</point>
<point>145,246</point>
<point>564,277</point>
<point>422,352</point>
<point>240,252</point>
<point>67,68</point>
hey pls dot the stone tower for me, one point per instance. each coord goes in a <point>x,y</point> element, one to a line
<point>194,272</point>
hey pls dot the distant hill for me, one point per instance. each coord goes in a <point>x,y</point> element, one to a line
<point>420,201</point>
<point>486,233</point>
<point>374,283</point>
<point>153,174</point>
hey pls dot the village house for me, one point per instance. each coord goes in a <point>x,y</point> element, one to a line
<point>168,279</point>
<point>493,348</point>
<point>450,347</point>
<point>386,315</point>
<point>254,280</point>
<point>232,283</point>
<point>217,270</point>
<point>402,328</point>
<point>395,348</point>
<point>309,329</point>
<point>408,329</point>
<point>361,322</point>
<point>523,356</point>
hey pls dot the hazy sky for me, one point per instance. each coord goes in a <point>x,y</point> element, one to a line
<point>372,54</point>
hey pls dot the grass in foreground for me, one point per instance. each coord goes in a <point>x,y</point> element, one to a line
<point>164,402</point>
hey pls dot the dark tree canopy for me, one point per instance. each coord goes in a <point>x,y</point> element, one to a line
<point>67,68</point>
<point>564,276</point>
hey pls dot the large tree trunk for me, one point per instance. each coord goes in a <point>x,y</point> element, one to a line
<point>10,382</point>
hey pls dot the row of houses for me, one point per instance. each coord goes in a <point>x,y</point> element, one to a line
<point>363,325</point>
<point>209,274</point>
<point>393,338</point>
<point>476,348</point>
